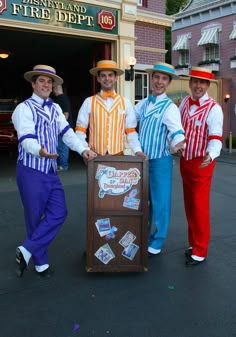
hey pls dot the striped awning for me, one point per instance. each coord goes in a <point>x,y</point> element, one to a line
<point>209,36</point>
<point>182,43</point>
<point>233,34</point>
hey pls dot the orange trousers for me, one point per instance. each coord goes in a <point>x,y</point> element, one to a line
<point>196,188</point>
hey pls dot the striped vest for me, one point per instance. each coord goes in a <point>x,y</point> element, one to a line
<point>152,132</point>
<point>107,128</point>
<point>46,132</point>
<point>196,129</point>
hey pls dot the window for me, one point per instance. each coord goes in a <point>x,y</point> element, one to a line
<point>141,86</point>
<point>142,3</point>
<point>211,52</point>
<point>184,57</point>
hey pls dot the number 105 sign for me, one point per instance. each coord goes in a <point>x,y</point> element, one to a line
<point>106,20</point>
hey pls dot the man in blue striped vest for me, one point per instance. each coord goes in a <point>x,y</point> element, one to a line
<point>38,122</point>
<point>160,133</point>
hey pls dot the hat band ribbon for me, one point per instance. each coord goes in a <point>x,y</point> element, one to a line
<point>107,65</point>
<point>163,68</point>
<point>45,71</point>
<point>197,73</point>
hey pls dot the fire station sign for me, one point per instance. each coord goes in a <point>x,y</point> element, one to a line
<point>66,14</point>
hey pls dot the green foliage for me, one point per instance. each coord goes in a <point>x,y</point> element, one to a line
<point>172,7</point>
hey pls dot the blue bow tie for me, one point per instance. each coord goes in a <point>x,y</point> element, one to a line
<point>152,99</point>
<point>47,103</point>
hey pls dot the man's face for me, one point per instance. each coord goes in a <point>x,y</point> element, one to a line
<point>160,83</point>
<point>42,86</point>
<point>198,87</point>
<point>107,80</point>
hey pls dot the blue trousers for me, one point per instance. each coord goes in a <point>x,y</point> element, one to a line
<point>63,152</point>
<point>160,184</point>
<point>45,209</point>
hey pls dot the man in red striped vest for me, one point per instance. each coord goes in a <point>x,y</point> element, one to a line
<point>202,120</point>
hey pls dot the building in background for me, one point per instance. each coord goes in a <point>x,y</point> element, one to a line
<point>73,35</point>
<point>204,34</point>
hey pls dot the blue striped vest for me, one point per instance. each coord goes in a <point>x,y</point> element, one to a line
<point>152,132</point>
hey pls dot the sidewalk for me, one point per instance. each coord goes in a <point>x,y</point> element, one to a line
<point>170,300</point>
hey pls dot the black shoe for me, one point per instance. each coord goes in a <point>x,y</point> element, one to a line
<point>47,273</point>
<point>191,262</point>
<point>21,263</point>
<point>188,252</point>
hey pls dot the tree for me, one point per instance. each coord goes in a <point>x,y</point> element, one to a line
<point>172,7</point>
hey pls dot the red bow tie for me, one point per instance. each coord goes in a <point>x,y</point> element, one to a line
<point>194,102</point>
<point>111,94</point>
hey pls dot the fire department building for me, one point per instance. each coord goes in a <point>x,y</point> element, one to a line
<point>72,36</point>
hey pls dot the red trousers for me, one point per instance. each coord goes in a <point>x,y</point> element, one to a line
<point>196,188</point>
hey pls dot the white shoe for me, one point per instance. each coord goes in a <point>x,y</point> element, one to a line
<point>153,251</point>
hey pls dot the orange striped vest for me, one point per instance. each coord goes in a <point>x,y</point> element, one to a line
<point>107,128</point>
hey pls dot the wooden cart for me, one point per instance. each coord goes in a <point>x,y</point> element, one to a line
<point>117,214</point>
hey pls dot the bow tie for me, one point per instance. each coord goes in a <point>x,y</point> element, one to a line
<point>152,99</point>
<point>111,94</point>
<point>194,102</point>
<point>47,103</point>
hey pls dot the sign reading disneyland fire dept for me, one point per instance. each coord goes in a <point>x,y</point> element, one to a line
<point>67,14</point>
<point>117,214</point>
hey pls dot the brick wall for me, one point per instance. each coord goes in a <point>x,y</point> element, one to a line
<point>150,36</point>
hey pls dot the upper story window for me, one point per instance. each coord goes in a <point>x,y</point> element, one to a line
<point>210,42</point>
<point>182,46</point>
<point>142,3</point>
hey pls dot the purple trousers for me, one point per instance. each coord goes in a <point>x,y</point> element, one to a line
<point>45,209</point>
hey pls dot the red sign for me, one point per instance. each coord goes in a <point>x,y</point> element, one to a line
<point>106,20</point>
<point>3,5</point>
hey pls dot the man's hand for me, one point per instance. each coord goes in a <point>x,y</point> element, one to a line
<point>206,161</point>
<point>179,147</point>
<point>141,154</point>
<point>88,155</point>
<point>44,153</point>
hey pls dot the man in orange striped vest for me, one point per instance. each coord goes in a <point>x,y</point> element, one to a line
<point>202,120</point>
<point>109,117</point>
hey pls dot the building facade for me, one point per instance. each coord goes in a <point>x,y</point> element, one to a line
<point>73,35</point>
<point>204,34</point>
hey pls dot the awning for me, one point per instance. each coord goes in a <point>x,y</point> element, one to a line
<point>233,34</point>
<point>209,36</point>
<point>182,43</point>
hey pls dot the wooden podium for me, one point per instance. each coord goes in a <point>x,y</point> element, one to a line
<point>117,231</point>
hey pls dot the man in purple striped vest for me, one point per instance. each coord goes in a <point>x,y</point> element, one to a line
<point>38,122</point>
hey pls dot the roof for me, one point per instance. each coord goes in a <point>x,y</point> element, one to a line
<point>198,5</point>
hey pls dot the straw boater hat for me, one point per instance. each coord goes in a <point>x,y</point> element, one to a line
<point>164,68</point>
<point>202,73</point>
<point>42,69</point>
<point>106,65</point>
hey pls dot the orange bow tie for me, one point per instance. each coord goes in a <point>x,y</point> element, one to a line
<point>194,102</point>
<point>111,94</point>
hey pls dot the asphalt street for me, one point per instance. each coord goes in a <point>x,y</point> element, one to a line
<point>169,300</point>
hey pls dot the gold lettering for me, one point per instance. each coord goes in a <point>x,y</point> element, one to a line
<point>71,18</point>
<point>15,9</point>
<point>83,9</point>
<point>56,5</point>
<point>89,23</point>
<point>61,16</point>
<point>45,14</point>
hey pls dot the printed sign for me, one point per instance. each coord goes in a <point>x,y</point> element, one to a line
<point>105,254</point>
<point>116,182</point>
<point>68,14</point>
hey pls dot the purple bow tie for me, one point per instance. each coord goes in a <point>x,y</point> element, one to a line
<point>47,103</point>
